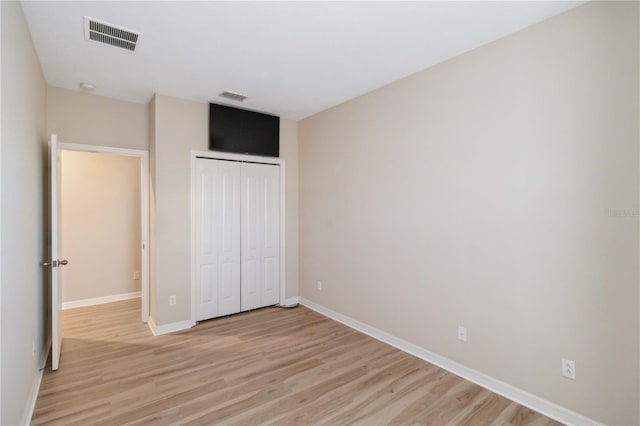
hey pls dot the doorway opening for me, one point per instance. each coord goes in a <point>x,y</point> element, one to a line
<point>104,225</point>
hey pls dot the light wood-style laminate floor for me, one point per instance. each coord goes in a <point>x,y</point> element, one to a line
<point>270,366</point>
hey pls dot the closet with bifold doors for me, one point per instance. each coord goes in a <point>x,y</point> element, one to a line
<point>236,236</point>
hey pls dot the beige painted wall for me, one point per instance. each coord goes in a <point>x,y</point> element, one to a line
<point>182,126</point>
<point>496,190</point>
<point>289,152</point>
<point>83,118</point>
<point>100,224</point>
<point>24,294</point>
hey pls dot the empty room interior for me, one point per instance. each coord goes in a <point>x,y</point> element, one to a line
<point>320,213</point>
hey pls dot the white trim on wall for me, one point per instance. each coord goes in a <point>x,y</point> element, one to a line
<point>291,301</point>
<point>1,227</point>
<point>35,387</point>
<point>513,393</point>
<point>144,184</point>
<point>100,300</point>
<point>216,155</point>
<point>159,330</point>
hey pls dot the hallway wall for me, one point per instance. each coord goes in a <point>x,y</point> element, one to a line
<point>100,224</point>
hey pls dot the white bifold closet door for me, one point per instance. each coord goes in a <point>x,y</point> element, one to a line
<point>260,247</point>
<point>217,204</point>
<point>237,236</point>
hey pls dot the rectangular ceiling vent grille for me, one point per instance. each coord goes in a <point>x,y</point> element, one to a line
<point>113,35</point>
<point>234,96</point>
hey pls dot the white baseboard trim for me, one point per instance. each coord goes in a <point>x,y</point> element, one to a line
<point>291,301</point>
<point>100,300</point>
<point>35,387</point>
<point>159,330</point>
<point>518,395</point>
<point>152,325</point>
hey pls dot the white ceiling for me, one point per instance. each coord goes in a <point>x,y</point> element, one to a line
<point>292,59</point>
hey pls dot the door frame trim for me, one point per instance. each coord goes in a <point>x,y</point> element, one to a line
<point>217,155</point>
<point>144,211</point>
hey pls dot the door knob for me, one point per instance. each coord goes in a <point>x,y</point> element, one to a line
<point>56,263</point>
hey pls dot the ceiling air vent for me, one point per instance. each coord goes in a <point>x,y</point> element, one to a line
<point>234,96</point>
<point>113,35</point>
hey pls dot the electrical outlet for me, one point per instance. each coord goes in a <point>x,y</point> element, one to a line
<point>172,300</point>
<point>136,275</point>
<point>319,285</point>
<point>462,333</point>
<point>569,369</point>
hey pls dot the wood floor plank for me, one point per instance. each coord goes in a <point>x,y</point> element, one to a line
<point>373,400</point>
<point>268,366</point>
<point>486,409</point>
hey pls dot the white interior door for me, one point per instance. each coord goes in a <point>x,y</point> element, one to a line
<point>217,204</point>
<point>260,249</point>
<point>55,263</point>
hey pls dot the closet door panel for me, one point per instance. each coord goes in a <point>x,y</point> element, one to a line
<point>250,249</point>
<point>271,231</point>
<point>229,241</point>
<point>217,203</point>
<point>206,239</point>
<point>260,235</point>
